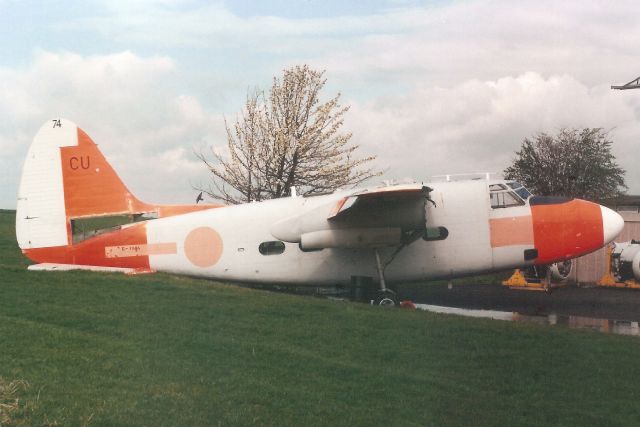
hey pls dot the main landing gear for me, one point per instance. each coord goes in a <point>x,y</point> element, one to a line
<point>364,289</point>
<point>384,297</point>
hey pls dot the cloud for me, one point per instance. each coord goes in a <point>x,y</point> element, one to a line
<point>73,85</point>
<point>476,126</point>
<point>128,104</point>
<point>446,88</point>
<point>457,41</point>
<point>186,23</point>
<point>442,43</point>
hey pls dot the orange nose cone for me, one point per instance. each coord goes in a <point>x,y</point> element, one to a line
<point>567,228</point>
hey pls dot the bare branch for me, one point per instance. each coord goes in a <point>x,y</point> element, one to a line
<point>288,138</point>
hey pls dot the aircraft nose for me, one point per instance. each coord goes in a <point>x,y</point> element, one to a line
<point>612,224</point>
<point>566,228</point>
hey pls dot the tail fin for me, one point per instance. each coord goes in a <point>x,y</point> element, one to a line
<point>65,176</point>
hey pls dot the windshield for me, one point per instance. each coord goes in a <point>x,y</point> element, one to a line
<point>520,190</point>
<point>511,194</point>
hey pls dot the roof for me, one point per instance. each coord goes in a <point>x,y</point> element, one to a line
<point>626,200</point>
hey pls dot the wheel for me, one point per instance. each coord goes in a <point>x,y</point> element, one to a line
<point>387,302</point>
<point>386,299</point>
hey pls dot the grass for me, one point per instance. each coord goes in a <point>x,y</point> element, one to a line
<point>10,404</point>
<point>158,350</point>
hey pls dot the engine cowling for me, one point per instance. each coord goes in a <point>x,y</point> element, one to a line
<point>626,260</point>
<point>351,238</point>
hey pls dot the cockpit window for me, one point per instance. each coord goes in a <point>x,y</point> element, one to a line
<point>503,196</point>
<point>520,190</point>
<point>505,199</point>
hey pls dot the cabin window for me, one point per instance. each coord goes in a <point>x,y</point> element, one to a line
<point>275,247</point>
<point>435,233</point>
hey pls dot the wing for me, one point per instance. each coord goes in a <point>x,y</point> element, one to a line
<point>369,218</point>
<point>398,207</point>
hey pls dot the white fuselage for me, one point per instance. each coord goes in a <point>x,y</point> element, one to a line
<point>443,230</point>
<point>462,207</point>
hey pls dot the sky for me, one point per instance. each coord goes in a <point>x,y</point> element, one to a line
<point>435,87</point>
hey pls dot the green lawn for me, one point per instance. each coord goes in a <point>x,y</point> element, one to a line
<point>113,350</point>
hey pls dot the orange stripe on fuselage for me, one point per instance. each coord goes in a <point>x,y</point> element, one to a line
<point>92,251</point>
<point>566,230</point>
<point>516,230</point>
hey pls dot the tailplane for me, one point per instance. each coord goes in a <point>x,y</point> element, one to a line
<point>66,179</point>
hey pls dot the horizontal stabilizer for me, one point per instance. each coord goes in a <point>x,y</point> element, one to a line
<point>47,266</point>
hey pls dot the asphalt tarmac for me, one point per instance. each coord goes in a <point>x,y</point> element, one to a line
<point>602,303</point>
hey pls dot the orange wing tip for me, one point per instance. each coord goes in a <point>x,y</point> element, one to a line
<point>47,266</point>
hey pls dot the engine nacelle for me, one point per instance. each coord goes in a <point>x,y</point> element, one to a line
<point>625,259</point>
<point>351,238</point>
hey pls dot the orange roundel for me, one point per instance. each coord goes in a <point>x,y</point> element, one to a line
<point>566,230</point>
<point>203,246</point>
